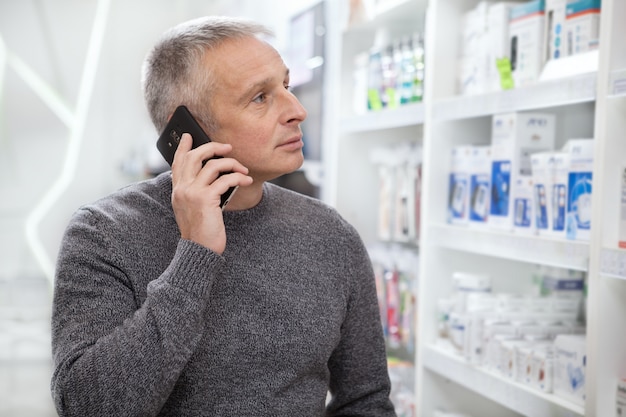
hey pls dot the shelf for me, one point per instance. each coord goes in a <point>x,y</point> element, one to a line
<point>613,263</point>
<point>407,115</point>
<point>553,93</point>
<point>561,253</point>
<point>515,396</point>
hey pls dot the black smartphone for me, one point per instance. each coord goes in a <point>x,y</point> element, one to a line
<point>182,121</point>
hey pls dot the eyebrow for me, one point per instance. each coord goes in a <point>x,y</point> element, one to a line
<point>258,86</point>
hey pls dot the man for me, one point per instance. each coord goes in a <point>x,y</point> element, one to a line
<point>166,305</point>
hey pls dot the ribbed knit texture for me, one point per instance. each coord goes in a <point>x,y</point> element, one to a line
<point>148,324</point>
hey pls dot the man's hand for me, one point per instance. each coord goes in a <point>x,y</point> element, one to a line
<point>196,190</point>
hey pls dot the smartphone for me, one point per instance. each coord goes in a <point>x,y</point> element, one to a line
<point>182,121</point>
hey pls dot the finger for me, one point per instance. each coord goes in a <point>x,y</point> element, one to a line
<point>184,146</point>
<point>211,150</point>
<point>216,167</point>
<point>188,162</point>
<point>226,182</point>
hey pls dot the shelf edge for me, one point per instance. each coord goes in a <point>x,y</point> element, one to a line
<point>510,394</point>
<point>563,253</point>
<point>553,93</point>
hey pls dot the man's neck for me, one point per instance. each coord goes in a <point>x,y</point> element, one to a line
<point>246,197</point>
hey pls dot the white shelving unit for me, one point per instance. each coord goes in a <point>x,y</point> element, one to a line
<point>591,104</point>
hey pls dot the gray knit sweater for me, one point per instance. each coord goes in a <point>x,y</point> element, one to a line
<point>145,323</point>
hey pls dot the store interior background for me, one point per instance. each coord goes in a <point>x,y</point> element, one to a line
<point>73,127</point>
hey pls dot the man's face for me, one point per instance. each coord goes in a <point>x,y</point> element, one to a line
<point>254,110</point>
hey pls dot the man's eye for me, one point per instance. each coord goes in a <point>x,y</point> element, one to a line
<point>260,98</point>
<point>288,87</point>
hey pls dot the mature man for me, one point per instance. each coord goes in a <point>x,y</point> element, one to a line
<point>167,305</point>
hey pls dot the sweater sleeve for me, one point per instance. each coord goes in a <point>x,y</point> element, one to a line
<point>359,382</point>
<point>112,358</point>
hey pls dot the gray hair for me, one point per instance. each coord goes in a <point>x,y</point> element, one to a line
<point>172,72</point>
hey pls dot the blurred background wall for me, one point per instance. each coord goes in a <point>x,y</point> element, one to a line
<point>73,127</point>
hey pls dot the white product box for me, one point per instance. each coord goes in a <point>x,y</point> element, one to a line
<point>445,307</point>
<point>578,222</point>
<point>512,354</point>
<point>523,218</point>
<point>458,193</point>
<point>457,330</point>
<point>480,306</point>
<point>514,137</point>
<point>524,360</point>
<point>474,349</point>
<point>622,218</point>
<point>542,361</point>
<point>554,46</point>
<point>542,167</point>
<point>473,70</point>
<point>497,350</point>
<point>582,25</point>
<point>570,362</point>
<point>494,329</point>
<point>558,200</point>
<point>526,29</point>
<point>405,224</point>
<point>470,76</point>
<point>498,42</point>
<point>474,26</point>
<point>620,403</point>
<point>480,183</point>
<point>466,284</point>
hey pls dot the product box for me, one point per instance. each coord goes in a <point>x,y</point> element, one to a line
<point>526,34</point>
<point>457,330</point>
<point>522,360</point>
<point>493,329</point>
<point>622,219</point>
<point>554,46</point>
<point>498,42</point>
<point>578,221</point>
<point>542,167</point>
<point>570,362</point>
<point>514,138</point>
<point>558,201</point>
<point>509,357</point>
<point>405,222</point>
<point>480,182</point>
<point>478,72</point>
<point>458,192</point>
<point>471,66</point>
<point>542,363</point>
<point>582,25</point>
<point>385,160</point>
<point>465,284</point>
<point>523,218</point>
<point>525,359</point>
